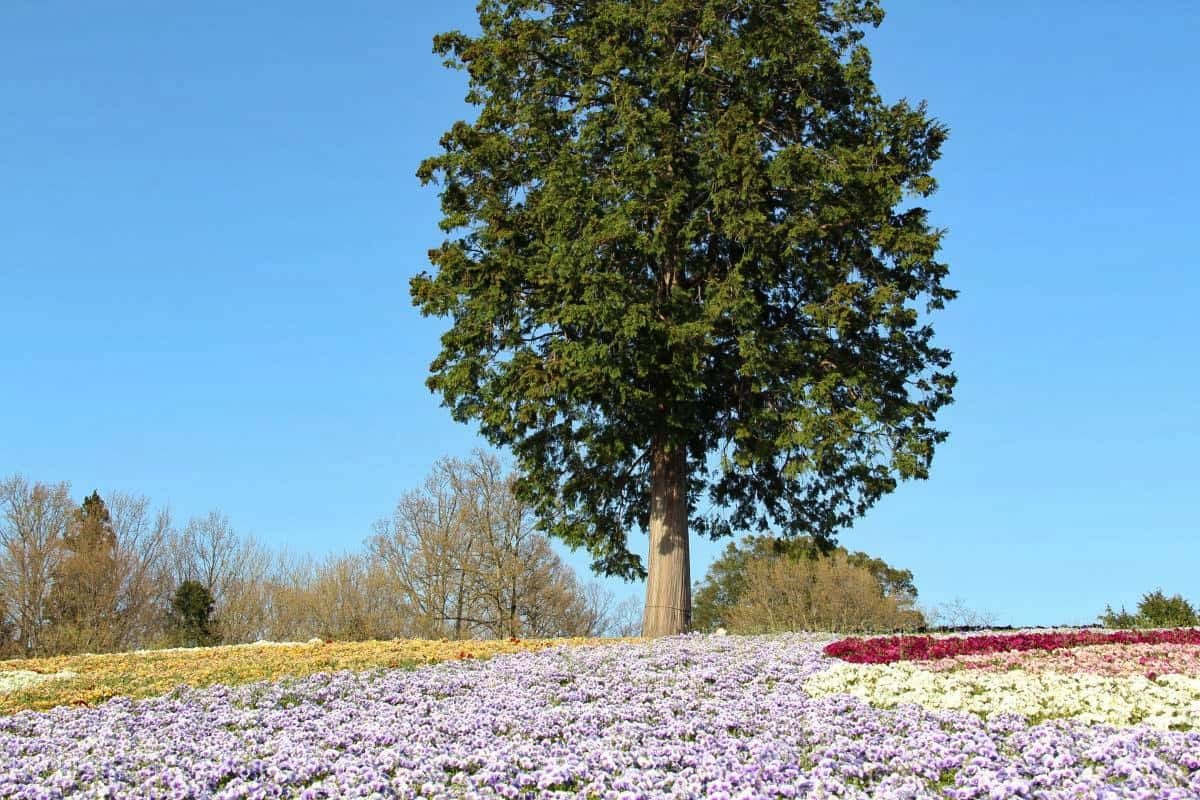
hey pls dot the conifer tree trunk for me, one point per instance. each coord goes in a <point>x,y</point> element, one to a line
<point>668,585</point>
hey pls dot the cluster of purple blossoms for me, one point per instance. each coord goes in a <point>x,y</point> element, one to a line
<point>685,717</point>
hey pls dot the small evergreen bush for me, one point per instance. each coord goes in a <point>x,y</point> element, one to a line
<point>191,615</point>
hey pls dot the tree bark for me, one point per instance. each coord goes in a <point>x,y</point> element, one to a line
<point>669,584</point>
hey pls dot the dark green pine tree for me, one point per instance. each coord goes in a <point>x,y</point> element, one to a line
<point>684,260</point>
<point>190,617</point>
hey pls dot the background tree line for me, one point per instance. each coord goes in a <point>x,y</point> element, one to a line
<point>458,558</point>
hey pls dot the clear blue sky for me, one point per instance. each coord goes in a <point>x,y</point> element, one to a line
<point>208,220</point>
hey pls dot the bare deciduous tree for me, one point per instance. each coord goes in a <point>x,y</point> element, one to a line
<point>234,568</point>
<point>207,550</point>
<point>284,599</point>
<point>458,558</point>
<point>350,599</point>
<point>427,549</point>
<point>956,614</point>
<point>625,619</point>
<point>243,609</point>
<point>465,555</point>
<point>143,538</point>
<point>519,582</point>
<point>34,518</point>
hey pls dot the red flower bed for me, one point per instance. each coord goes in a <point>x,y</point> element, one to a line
<point>887,649</point>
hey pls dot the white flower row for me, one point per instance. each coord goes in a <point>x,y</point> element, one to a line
<point>13,680</point>
<point>259,643</point>
<point>1171,702</point>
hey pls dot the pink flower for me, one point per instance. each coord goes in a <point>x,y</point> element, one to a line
<point>888,649</point>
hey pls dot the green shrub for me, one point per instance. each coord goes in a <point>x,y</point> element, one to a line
<point>1155,610</point>
<point>766,584</point>
<point>1122,619</point>
<point>191,615</point>
<point>1159,611</point>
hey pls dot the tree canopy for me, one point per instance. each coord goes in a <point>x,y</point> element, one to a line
<point>1155,610</point>
<point>727,579</point>
<point>191,615</point>
<point>684,263</point>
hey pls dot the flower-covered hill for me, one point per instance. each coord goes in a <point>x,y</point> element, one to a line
<point>688,717</point>
<point>83,680</point>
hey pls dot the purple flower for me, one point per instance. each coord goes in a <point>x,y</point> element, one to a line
<point>686,717</point>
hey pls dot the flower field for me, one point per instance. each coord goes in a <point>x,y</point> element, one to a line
<point>887,649</point>
<point>1147,678</point>
<point>690,716</point>
<point>86,680</point>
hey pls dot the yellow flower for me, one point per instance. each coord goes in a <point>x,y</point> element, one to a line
<point>146,673</point>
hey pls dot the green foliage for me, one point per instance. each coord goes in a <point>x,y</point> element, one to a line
<point>1160,611</point>
<point>722,586</point>
<point>1122,619</point>
<point>688,224</point>
<point>725,583</point>
<point>1155,610</point>
<point>191,615</point>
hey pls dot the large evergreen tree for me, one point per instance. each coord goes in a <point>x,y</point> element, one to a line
<point>683,258</point>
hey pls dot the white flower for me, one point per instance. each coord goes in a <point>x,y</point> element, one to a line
<point>1174,700</point>
<point>14,680</point>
